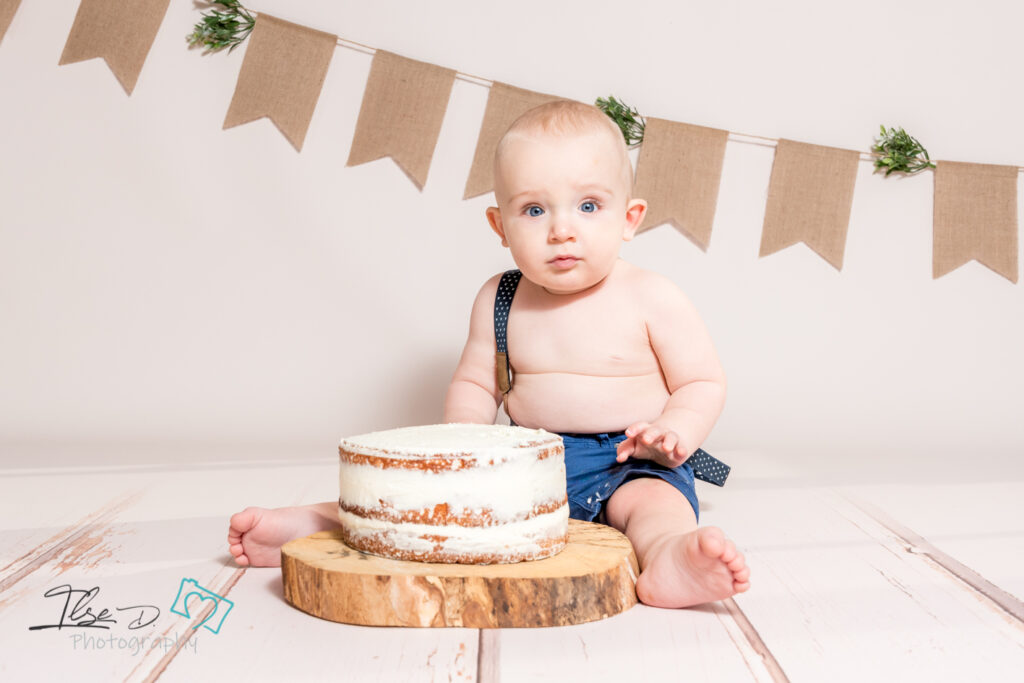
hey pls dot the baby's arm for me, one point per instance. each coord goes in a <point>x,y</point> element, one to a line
<point>694,376</point>
<point>473,396</point>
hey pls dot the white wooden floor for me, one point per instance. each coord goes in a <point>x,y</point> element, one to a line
<point>884,576</point>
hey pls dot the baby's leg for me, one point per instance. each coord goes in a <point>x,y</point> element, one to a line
<point>256,535</point>
<point>680,565</point>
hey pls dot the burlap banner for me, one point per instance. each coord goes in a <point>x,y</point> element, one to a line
<point>975,217</point>
<point>283,71</point>
<point>678,173</point>
<point>505,104</point>
<point>119,31</point>
<point>403,108</point>
<point>809,198</point>
<point>8,8</point>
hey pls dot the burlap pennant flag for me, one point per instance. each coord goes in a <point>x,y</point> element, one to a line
<point>809,199</point>
<point>678,173</point>
<point>7,10</point>
<point>975,217</point>
<point>403,108</point>
<point>281,76</point>
<point>119,31</point>
<point>505,104</point>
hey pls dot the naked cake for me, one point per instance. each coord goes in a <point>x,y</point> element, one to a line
<point>454,493</point>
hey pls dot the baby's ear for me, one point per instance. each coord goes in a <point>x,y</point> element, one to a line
<point>635,212</point>
<point>494,218</point>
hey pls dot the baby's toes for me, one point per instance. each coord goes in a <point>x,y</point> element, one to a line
<point>736,561</point>
<point>238,552</point>
<point>711,542</point>
<point>243,521</point>
<point>728,552</point>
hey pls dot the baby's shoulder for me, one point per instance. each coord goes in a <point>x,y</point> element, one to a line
<point>483,303</point>
<point>653,296</point>
<point>489,288</point>
<point>648,284</point>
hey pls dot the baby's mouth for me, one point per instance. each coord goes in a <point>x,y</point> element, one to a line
<point>564,262</point>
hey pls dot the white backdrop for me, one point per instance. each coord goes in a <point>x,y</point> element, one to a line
<point>167,283</point>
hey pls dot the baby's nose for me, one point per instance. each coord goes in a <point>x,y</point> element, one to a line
<point>562,229</point>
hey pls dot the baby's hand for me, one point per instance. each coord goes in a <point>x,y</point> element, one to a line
<point>646,441</point>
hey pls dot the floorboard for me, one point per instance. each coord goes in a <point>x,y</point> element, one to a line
<point>855,580</point>
<point>837,595</point>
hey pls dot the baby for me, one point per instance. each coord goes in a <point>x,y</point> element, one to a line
<point>612,357</point>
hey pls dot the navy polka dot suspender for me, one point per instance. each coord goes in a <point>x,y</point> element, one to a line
<point>502,304</point>
<point>705,466</point>
<point>708,468</point>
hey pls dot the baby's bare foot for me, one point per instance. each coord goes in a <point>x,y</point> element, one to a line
<point>692,569</point>
<point>257,534</point>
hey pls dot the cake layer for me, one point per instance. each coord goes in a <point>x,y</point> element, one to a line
<point>442,513</point>
<point>535,538</point>
<point>448,447</point>
<point>454,493</point>
<point>442,463</point>
<point>506,490</point>
<point>446,439</point>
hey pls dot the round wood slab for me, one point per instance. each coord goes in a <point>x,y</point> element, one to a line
<point>593,578</point>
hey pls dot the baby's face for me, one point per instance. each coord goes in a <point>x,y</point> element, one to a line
<point>563,208</point>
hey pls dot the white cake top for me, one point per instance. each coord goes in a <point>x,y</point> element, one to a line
<point>441,439</point>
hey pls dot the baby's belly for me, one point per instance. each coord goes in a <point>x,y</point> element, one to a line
<point>563,402</point>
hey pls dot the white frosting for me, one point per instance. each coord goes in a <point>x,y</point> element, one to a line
<point>506,539</point>
<point>504,476</point>
<point>472,441</point>
<point>509,489</point>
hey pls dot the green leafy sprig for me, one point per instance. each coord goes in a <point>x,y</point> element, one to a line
<point>626,118</point>
<point>218,30</point>
<point>897,151</point>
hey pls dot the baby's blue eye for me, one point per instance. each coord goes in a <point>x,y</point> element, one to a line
<point>588,207</point>
<point>535,211</point>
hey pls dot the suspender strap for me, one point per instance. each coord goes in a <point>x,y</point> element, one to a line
<point>707,467</point>
<point>502,304</point>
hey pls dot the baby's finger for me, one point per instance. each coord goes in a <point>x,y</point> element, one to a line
<point>681,454</point>
<point>635,428</point>
<point>651,435</point>
<point>624,450</point>
<point>668,444</point>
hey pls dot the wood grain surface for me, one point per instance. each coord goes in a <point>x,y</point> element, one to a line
<point>593,578</point>
<point>879,578</point>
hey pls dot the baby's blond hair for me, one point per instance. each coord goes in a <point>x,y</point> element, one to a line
<point>567,117</point>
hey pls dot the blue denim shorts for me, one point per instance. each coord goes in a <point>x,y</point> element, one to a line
<point>593,475</point>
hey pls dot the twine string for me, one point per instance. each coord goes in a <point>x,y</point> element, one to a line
<point>742,138</point>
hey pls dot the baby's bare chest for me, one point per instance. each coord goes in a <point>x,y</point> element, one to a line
<point>591,339</point>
